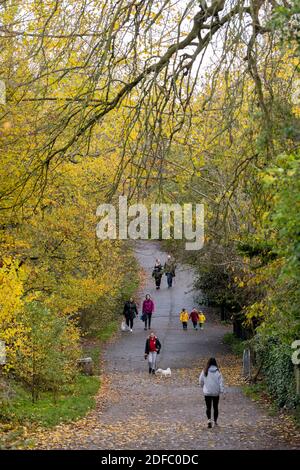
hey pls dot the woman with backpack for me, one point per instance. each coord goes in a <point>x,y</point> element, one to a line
<point>148,309</point>
<point>211,381</point>
<point>152,348</point>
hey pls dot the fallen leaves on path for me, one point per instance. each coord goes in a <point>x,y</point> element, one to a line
<point>230,366</point>
<point>138,411</point>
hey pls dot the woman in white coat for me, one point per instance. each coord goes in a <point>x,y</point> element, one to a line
<point>211,381</point>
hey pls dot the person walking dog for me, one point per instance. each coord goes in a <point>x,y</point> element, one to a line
<point>130,311</point>
<point>211,381</point>
<point>147,310</point>
<point>184,318</point>
<point>194,316</point>
<point>152,348</point>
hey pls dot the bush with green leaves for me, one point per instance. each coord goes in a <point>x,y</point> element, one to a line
<point>278,370</point>
<point>47,359</point>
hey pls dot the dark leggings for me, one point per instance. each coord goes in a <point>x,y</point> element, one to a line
<point>148,319</point>
<point>129,322</point>
<point>209,400</point>
<point>158,281</point>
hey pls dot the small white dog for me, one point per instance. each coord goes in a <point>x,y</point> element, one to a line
<point>164,373</point>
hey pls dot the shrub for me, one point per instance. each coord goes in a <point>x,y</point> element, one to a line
<point>278,371</point>
<point>47,359</point>
<point>236,344</point>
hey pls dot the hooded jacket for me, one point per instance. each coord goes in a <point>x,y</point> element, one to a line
<point>184,316</point>
<point>202,318</point>
<point>212,384</point>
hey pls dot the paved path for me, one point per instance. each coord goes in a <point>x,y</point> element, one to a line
<point>138,411</point>
<point>180,349</point>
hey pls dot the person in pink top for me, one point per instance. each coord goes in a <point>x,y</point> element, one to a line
<point>148,309</point>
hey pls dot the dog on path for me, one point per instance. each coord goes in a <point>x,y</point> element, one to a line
<point>164,372</point>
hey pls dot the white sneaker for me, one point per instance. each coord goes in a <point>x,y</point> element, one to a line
<point>131,330</point>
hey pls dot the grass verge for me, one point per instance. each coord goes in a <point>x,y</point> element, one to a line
<point>72,403</point>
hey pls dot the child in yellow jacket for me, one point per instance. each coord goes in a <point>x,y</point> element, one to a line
<point>202,320</point>
<point>184,318</point>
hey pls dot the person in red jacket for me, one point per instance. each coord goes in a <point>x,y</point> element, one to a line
<point>194,316</point>
<point>152,348</point>
<point>148,309</point>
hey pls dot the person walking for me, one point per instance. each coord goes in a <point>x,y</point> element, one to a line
<point>202,320</point>
<point>184,318</point>
<point>130,311</point>
<point>169,269</point>
<point>194,316</point>
<point>147,310</point>
<point>211,381</point>
<point>152,349</point>
<point>157,273</point>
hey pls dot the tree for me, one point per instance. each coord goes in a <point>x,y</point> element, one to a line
<point>144,57</point>
<point>47,357</point>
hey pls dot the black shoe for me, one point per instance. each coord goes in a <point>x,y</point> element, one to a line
<point>145,329</point>
<point>153,371</point>
<point>150,370</point>
<point>209,425</point>
<point>148,328</point>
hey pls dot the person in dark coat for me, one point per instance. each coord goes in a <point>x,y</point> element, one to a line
<point>152,348</point>
<point>130,312</point>
<point>157,273</point>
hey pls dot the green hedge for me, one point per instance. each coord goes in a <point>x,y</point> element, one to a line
<point>278,371</point>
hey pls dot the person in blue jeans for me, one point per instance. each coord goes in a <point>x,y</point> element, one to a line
<point>169,269</point>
